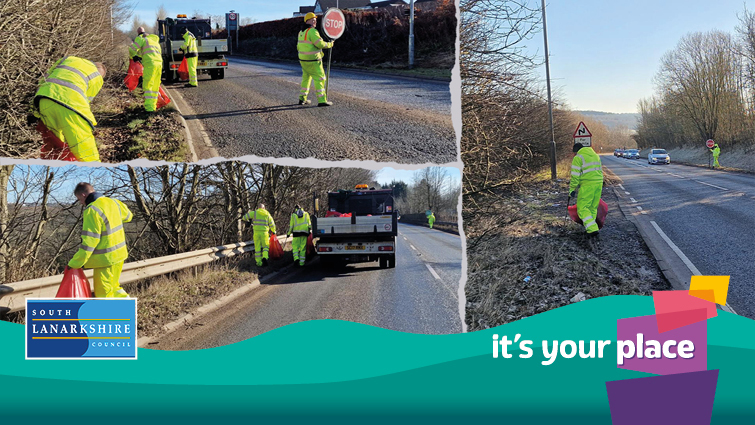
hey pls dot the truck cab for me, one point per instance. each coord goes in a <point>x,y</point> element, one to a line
<point>360,225</point>
<point>211,59</point>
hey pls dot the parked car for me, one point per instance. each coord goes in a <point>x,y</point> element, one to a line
<point>618,152</point>
<point>632,154</point>
<point>658,156</point>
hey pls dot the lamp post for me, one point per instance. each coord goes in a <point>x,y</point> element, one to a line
<point>550,103</point>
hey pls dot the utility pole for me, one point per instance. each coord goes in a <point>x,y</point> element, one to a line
<point>550,103</point>
<point>411,34</point>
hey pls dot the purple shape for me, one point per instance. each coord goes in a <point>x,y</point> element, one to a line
<point>697,333</point>
<point>685,398</point>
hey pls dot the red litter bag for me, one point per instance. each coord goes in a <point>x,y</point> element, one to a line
<point>74,285</point>
<point>53,147</point>
<point>310,245</point>
<point>183,70</point>
<point>276,251</point>
<point>602,213</point>
<point>135,71</point>
<point>162,98</point>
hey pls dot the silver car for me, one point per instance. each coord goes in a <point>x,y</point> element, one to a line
<point>658,156</point>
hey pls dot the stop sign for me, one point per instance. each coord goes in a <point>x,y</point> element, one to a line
<point>334,23</point>
<point>710,143</point>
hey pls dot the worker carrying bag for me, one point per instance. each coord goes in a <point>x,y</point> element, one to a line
<point>162,98</point>
<point>183,70</point>
<point>74,285</point>
<point>135,71</point>
<point>276,251</point>
<point>602,213</point>
<point>310,246</point>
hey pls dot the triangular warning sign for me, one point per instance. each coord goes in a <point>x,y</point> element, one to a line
<point>582,131</point>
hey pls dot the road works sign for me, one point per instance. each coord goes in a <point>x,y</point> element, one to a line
<point>582,135</point>
<point>710,143</point>
<point>334,23</point>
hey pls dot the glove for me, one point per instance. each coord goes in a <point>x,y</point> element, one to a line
<point>573,193</point>
<point>31,119</point>
<point>181,49</point>
<point>137,59</point>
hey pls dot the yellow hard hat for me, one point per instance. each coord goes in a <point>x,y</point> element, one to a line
<point>309,16</point>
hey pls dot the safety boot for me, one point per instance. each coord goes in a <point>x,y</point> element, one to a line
<point>325,104</point>
<point>304,101</point>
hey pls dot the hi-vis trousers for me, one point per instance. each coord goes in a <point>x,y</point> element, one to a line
<point>310,71</point>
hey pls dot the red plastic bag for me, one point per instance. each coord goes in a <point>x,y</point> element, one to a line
<point>162,98</point>
<point>602,213</point>
<point>53,147</point>
<point>135,71</point>
<point>310,245</point>
<point>74,285</point>
<point>276,251</point>
<point>183,71</point>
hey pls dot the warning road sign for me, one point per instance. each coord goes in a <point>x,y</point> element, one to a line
<point>334,23</point>
<point>582,135</point>
<point>232,16</point>
<point>710,143</point>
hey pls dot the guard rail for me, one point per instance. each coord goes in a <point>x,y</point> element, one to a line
<point>13,295</point>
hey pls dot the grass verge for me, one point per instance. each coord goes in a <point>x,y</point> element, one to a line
<point>526,232</point>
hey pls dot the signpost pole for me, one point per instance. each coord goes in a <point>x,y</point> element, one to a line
<point>327,78</point>
<point>550,102</point>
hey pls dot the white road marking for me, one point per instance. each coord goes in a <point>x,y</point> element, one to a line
<point>627,192</point>
<point>412,246</point>
<point>622,187</point>
<point>639,207</point>
<point>686,260</point>
<point>676,249</point>
<point>634,201</point>
<point>435,275</point>
<point>712,185</point>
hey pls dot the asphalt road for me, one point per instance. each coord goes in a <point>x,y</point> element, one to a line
<point>255,111</point>
<point>709,215</point>
<point>420,295</point>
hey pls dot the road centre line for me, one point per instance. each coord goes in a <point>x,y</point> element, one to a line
<point>711,185</point>
<point>435,275</point>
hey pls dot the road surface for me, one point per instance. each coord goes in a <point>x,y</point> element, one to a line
<point>709,215</point>
<point>255,111</point>
<point>420,295</point>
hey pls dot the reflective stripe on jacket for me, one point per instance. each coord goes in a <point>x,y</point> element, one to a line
<point>146,47</point>
<point>262,221</point>
<point>585,168</point>
<point>103,241</point>
<point>300,226</point>
<point>310,45</point>
<point>72,82</point>
<point>190,45</point>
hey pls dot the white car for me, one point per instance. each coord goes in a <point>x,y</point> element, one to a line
<point>658,156</point>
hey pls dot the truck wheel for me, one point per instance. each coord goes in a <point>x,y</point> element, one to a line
<point>392,261</point>
<point>383,262</point>
<point>217,74</point>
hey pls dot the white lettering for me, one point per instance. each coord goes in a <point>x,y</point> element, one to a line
<point>551,356</point>
<point>621,354</point>
<point>686,349</point>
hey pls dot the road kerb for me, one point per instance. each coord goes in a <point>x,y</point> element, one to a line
<point>210,307</point>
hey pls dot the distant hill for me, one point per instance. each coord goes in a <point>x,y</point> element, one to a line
<point>611,120</point>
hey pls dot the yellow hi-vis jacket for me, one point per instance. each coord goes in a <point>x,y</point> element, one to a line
<point>72,82</point>
<point>146,47</point>
<point>103,241</point>
<point>716,151</point>
<point>585,168</point>
<point>262,221</point>
<point>310,45</point>
<point>190,45</point>
<point>300,226</point>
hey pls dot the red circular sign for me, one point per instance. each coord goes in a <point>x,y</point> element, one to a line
<point>710,143</point>
<point>232,16</point>
<point>334,23</point>
<point>387,227</point>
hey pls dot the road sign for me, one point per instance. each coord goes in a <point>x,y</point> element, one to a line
<point>710,143</point>
<point>334,23</point>
<point>232,16</point>
<point>582,135</point>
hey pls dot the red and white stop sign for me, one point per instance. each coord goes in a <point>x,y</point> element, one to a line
<point>710,143</point>
<point>334,23</point>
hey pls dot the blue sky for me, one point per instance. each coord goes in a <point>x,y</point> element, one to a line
<point>386,175</point>
<point>604,54</point>
<point>259,10</point>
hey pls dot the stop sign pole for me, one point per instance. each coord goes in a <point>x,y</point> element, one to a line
<point>334,25</point>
